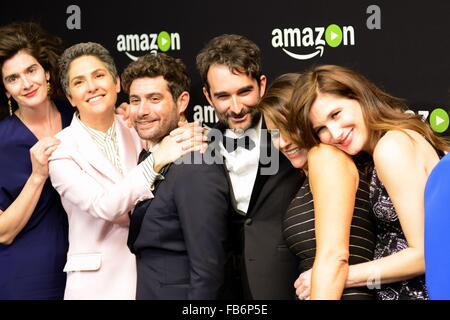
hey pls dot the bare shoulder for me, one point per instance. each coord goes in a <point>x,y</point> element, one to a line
<point>395,142</point>
<point>397,149</point>
<point>328,156</point>
<point>327,152</point>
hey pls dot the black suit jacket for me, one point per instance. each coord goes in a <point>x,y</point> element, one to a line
<point>262,262</point>
<point>180,245</point>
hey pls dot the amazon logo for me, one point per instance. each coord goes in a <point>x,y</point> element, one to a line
<point>307,43</point>
<point>134,44</point>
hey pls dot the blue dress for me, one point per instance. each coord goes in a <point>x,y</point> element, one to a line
<point>437,226</point>
<point>32,266</point>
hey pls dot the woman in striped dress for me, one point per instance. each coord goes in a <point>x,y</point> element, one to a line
<point>328,224</point>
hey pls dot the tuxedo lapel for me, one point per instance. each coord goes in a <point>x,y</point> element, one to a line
<point>92,154</point>
<point>214,147</point>
<point>139,213</point>
<point>265,148</point>
<point>136,221</point>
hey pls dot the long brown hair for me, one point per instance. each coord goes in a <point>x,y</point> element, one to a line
<point>382,112</point>
<point>274,104</point>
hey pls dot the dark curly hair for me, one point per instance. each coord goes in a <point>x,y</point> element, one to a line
<point>44,47</point>
<point>151,66</point>
<point>237,52</point>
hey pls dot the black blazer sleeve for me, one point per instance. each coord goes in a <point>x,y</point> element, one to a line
<point>202,204</point>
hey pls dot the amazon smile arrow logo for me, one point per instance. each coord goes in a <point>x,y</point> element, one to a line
<point>305,56</point>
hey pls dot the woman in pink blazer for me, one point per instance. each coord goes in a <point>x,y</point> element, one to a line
<point>94,170</point>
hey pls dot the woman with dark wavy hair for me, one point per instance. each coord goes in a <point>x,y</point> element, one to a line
<point>335,105</point>
<point>33,223</point>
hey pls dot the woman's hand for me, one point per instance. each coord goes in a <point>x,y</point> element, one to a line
<point>40,154</point>
<point>186,138</point>
<point>124,111</point>
<point>303,285</point>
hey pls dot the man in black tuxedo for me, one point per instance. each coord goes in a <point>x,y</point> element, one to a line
<point>179,237</point>
<point>262,183</point>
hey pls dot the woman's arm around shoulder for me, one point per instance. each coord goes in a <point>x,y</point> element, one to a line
<point>334,181</point>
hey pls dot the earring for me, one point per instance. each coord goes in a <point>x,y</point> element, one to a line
<point>49,88</point>
<point>10,107</point>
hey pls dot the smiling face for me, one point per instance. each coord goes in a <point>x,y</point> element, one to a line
<point>234,96</point>
<point>339,121</point>
<point>93,90</point>
<point>297,156</point>
<point>25,80</point>
<point>152,108</point>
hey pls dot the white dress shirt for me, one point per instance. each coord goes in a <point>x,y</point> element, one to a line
<point>242,165</point>
<point>106,142</point>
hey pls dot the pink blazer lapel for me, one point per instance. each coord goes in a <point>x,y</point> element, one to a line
<point>130,145</point>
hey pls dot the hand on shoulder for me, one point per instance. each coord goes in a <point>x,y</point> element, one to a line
<point>40,154</point>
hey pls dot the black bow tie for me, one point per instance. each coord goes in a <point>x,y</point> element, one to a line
<point>143,155</point>
<point>231,144</point>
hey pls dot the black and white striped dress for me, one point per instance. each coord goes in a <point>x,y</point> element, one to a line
<point>299,233</point>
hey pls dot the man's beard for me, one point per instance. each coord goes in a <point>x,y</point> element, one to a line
<point>159,133</point>
<point>254,114</point>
